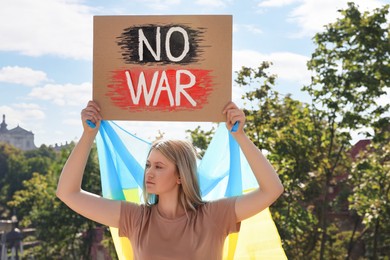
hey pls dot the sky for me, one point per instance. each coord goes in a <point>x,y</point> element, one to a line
<point>46,51</point>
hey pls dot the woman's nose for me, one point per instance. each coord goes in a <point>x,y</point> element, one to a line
<point>149,174</point>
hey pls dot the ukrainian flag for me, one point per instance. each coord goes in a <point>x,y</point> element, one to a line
<point>223,172</point>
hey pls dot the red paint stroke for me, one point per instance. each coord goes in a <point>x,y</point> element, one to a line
<point>162,87</point>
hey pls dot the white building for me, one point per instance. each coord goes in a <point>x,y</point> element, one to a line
<point>18,137</point>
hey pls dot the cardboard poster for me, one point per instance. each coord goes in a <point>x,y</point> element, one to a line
<point>162,68</point>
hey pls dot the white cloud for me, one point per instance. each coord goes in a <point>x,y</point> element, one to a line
<point>276,3</point>
<point>72,121</point>
<point>161,4</point>
<point>46,27</point>
<point>27,106</point>
<point>22,75</point>
<point>288,66</point>
<point>247,27</point>
<point>64,95</point>
<point>211,3</point>
<point>24,114</point>
<point>385,98</point>
<point>311,16</point>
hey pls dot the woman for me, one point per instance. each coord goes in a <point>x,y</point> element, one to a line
<point>174,223</point>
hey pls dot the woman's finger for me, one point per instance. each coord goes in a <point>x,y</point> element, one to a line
<point>229,106</point>
<point>234,115</point>
<point>93,104</point>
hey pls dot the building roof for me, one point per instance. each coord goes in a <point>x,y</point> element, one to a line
<point>18,137</point>
<point>359,146</point>
<point>19,131</point>
<point>15,131</point>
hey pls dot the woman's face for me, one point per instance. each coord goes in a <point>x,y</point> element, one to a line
<point>161,175</point>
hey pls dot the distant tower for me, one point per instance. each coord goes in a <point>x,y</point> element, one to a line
<point>18,137</point>
<point>3,126</point>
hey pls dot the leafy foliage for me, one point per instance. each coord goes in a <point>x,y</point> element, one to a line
<point>201,139</point>
<point>17,166</point>
<point>351,66</point>
<point>371,197</point>
<point>296,138</point>
<point>61,233</point>
<point>351,72</point>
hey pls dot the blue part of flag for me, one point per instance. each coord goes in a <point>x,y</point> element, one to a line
<point>223,171</point>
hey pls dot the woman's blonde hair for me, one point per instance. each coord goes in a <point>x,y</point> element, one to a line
<point>182,153</point>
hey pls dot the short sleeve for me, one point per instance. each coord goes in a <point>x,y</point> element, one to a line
<point>223,214</point>
<point>129,219</point>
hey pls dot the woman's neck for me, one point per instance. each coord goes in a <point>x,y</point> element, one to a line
<point>170,208</point>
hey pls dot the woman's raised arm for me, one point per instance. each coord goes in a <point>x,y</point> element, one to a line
<point>270,187</point>
<point>69,190</point>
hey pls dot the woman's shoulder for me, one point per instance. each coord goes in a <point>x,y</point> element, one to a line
<point>131,217</point>
<point>218,204</point>
<point>220,214</point>
<point>220,200</point>
<point>128,206</point>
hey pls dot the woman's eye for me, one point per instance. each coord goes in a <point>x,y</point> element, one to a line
<point>147,166</point>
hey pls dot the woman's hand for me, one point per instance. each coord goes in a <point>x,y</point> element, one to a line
<point>91,113</point>
<point>233,115</point>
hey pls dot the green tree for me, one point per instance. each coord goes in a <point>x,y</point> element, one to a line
<point>351,71</point>
<point>292,134</point>
<point>13,171</point>
<point>41,159</point>
<point>371,197</point>
<point>17,166</point>
<point>201,139</point>
<point>62,233</point>
<point>351,67</point>
<point>53,222</point>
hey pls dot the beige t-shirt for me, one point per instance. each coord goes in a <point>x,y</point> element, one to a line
<point>199,236</point>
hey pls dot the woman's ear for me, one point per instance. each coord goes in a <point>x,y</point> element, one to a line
<point>178,181</point>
